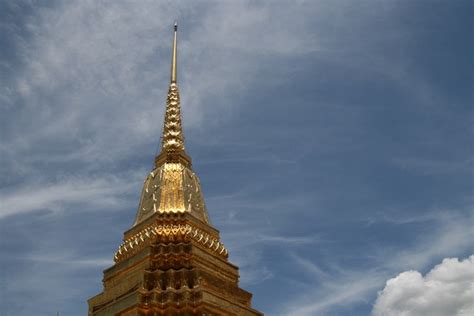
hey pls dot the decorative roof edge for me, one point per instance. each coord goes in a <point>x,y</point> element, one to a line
<point>168,232</point>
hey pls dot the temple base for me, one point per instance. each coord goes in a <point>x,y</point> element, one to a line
<point>180,270</point>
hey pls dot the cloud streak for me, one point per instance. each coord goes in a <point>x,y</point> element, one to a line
<point>332,137</point>
<point>91,193</point>
<point>341,286</point>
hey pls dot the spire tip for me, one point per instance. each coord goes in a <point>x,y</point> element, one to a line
<point>174,63</point>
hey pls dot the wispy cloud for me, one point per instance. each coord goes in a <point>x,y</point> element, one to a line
<point>434,166</point>
<point>340,285</point>
<point>55,271</point>
<point>451,237</point>
<point>392,216</point>
<point>247,250</point>
<point>67,258</point>
<point>305,120</point>
<point>329,289</point>
<point>87,80</point>
<point>91,193</point>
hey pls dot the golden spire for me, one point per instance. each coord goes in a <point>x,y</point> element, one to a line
<point>172,186</point>
<point>172,145</point>
<point>174,55</point>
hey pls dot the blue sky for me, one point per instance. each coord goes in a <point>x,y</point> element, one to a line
<point>333,140</point>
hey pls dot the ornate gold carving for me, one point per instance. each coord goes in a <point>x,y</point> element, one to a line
<point>173,139</point>
<point>172,188</point>
<point>172,195</point>
<point>166,233</point>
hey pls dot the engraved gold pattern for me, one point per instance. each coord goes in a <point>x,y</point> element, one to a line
<point>171,188</point>
<point>172,196</point>
<point>173,139</point>
<point>166,233</point>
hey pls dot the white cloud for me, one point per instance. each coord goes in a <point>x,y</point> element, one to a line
<point>448,289</point>
<point>99,192</point>
<point>341,285</point>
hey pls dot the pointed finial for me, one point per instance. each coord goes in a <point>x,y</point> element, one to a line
<point>172,141</point>
<point>174,56</point>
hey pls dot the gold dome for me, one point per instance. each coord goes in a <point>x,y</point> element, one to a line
<point>172,188</point>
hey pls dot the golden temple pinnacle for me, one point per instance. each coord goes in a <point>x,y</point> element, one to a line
<point>171,261</point>
<point>172,187</point>
<point>172,143</point>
